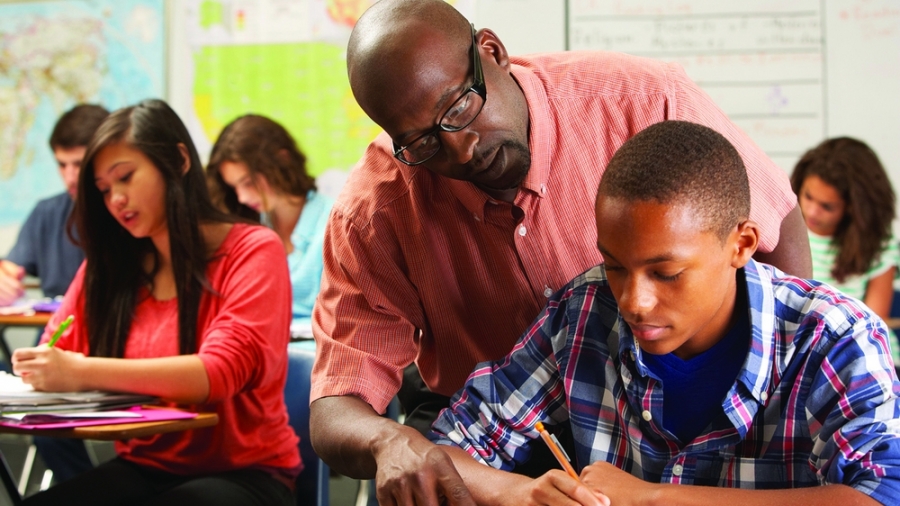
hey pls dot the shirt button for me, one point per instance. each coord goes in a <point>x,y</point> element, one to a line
<point>522,231</point>
<point>764,396</point>
<point>547,291</point>
<point>543,189</point>
<point>646,415</point>
<point>677,470</point>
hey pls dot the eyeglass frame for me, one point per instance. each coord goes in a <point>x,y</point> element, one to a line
<point>478,87</point>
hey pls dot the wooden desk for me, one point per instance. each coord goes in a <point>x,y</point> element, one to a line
<point>112,432</point>
<point>25,320</point>
<point>36,320</point>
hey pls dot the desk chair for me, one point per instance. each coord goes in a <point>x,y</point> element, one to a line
<point>312,484</point>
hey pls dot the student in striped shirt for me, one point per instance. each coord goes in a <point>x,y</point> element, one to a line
<point>848,205</point>
<point>681,361</point>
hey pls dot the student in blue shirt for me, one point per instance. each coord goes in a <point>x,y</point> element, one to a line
<point>257,171</point>
<point>43,249</point>
<point>681,361</point>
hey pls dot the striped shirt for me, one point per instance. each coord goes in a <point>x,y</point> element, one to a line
<point>816,401</point>
<point>419,267</point>
<point>823,258</point>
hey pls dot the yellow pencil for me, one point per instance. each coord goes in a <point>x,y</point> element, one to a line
<point>557,450</point>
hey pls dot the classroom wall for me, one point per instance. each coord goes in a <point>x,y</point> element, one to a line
<point>853,93</point>
<point>517,31</point>
<point>789,73</point>
<point>54,54</point>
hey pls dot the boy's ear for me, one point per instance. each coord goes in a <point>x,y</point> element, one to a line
<point>744,239</point>
<point>185,158</point>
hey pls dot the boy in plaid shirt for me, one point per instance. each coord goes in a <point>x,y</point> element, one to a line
<point>682,361</point>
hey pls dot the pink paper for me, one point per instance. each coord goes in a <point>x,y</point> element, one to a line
<point>147,415</point>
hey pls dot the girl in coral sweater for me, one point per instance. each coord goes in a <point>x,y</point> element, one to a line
<point>178,301</point>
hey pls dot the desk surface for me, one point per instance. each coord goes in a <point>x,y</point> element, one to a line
<point>25,320</point>
<point>119,431</point>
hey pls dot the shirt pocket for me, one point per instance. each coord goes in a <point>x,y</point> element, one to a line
<point>769,472</point>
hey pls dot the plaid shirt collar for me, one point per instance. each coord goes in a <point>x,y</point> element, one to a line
<point>751,390</point>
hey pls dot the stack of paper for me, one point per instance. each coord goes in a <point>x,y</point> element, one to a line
<point>19,401</point>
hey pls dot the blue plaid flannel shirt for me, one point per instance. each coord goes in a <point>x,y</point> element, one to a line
<point>816,401</point>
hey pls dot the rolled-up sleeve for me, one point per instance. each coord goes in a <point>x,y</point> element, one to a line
<point>366,316</point>
<point>493,417</point>
<point>854,414</point>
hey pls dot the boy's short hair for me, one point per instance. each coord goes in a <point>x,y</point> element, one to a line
<point>76,126</point>
<point>684,162</point>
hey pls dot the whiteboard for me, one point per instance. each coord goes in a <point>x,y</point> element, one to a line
<point>789,73</point>
<point>524,26</point>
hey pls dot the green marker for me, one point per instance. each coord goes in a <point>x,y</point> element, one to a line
<point>59,330</point>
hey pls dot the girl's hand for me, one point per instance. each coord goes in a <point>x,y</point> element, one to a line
<point>48,369</point>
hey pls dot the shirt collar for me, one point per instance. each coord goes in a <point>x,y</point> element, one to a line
<point>756,373</point>
<point>541,136</point>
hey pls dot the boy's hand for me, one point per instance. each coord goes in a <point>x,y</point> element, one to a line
<point>48,369</point>
<point>11,287</point>
<point>556,488</point>
<point>622,488</point>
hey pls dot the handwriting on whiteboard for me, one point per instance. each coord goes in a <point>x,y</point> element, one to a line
<point>762,62</point>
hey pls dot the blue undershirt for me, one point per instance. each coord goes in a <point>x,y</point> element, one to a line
<point>694,389</point>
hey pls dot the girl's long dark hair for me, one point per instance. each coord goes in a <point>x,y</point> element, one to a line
<point>267,149</point>
<point>853,169</point>
<point>116,259</point>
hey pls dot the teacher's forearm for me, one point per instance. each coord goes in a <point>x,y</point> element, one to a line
<point>345,431</point>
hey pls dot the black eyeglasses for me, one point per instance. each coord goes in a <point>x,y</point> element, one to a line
<point>460,115</point>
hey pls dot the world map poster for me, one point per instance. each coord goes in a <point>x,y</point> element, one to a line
<point>54,55</point>
<point>285,59</point>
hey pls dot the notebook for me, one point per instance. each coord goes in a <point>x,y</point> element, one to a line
<point>67,421</point>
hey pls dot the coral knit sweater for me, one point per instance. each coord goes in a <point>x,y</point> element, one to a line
<point>242,336</point>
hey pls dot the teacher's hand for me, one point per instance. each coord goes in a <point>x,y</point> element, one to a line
<point>414,471</point>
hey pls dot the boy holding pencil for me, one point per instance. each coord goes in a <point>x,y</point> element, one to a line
<point>681,361</point>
